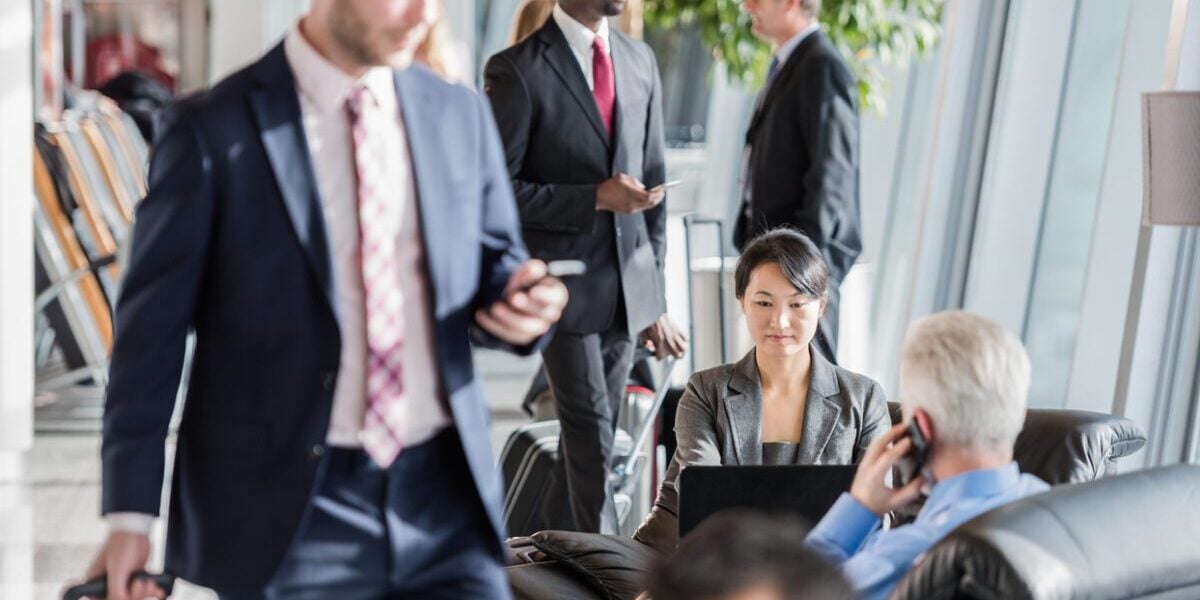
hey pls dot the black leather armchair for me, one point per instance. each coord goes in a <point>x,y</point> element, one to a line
<point>1132,536</point>
<point>1059,446</point>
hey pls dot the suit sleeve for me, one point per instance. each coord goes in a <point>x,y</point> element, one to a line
<point>829,213</point>
<point>544,206</point>
<point>697,444</point>
<point>654,170</point>
<point>153,315</point>
<point>503,251</point>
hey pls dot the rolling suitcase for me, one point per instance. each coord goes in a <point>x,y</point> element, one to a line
<point>529,456</point>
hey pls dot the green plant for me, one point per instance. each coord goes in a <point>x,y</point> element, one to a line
<point>867,32</point>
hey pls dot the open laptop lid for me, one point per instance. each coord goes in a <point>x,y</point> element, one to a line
<point>807,491</point>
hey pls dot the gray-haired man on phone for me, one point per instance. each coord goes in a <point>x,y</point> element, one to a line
<point>963,382</point>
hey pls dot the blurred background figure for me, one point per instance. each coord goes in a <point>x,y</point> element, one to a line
<point>440,50</point>
<point>530,17</point>
<point>738,555</point>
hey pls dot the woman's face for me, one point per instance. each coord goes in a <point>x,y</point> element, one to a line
<point>781,320</point>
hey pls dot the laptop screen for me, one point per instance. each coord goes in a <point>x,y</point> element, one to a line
<point>806,491</point>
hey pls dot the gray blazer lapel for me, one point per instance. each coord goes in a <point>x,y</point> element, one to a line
<point>743,411</point>
<point>821,410</point>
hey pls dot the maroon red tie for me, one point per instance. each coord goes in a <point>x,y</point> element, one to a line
<point>603,88</point>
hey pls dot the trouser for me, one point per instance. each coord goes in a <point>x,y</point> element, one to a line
<point>827,329</point>
<point>414,530</point>
<point>587,374</point>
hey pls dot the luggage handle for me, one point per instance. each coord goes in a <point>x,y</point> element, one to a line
<point>97,587</point>
<point>625,470</point>
<point>688,221</point>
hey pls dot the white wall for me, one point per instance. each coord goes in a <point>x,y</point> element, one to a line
<point>16,230</point>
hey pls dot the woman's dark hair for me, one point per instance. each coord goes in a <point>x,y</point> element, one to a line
<point>736,550</point>
<point>796,256</point>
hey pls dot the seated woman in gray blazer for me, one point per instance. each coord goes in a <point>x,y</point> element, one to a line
<point>783,403</point>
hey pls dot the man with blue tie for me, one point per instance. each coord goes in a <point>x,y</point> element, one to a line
<point>335,233</point>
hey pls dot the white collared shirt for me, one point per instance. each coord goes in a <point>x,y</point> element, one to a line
<point>785,51</point>
<point>322,88</point>
<point>580,39</point>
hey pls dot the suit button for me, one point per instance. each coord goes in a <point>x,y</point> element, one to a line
<point>618,232</point>
<point>327,380</point>
<point>316,452</point>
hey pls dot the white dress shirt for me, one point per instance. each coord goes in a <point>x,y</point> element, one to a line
<point>322,89</point>
<point>580,39</point>
<point>785,50</point>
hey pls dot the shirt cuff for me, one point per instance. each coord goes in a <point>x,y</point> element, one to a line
<point>130,522</point>
<point>847,524</point>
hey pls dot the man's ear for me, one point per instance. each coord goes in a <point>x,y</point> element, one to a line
<point>924,423</point>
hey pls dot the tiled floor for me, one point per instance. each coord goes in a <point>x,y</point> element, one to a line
<point>49,497</point>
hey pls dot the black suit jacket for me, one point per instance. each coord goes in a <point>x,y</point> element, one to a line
<point>558,153</point>
<point>803,165</point>
<point>230,242</point>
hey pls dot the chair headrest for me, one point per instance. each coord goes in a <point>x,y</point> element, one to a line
<point>1069,446</point>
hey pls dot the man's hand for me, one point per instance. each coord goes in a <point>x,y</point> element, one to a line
<point>665,338</point>
<point>123,554</point>
<point>532,303</point>
<point>624,194</point>
<point>869,487</point>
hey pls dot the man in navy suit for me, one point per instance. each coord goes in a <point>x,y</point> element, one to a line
<point>335,233</point>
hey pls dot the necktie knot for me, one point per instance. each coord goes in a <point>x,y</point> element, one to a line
<point>772,68</point>
<point>356,98</point>
<point>598,45</point>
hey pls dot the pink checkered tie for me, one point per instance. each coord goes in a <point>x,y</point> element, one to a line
<point>378,222</point>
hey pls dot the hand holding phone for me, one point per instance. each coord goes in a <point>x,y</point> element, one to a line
<point>870,486</point>
<point>910,465</point>
<point>559,269</point>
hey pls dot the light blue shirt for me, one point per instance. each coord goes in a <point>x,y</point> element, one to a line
<point>874,560</point>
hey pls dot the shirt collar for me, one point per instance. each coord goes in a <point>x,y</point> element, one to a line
<point>324,84</point>
<point>980,483</point>
<point>789,46</point>
<point>579,36</point>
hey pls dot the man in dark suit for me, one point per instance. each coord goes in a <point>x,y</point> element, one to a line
<point>801,160</point>
<point>580,111</point>
<point>334,232</point>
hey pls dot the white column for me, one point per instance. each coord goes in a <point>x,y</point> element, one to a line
<point>16,232</point>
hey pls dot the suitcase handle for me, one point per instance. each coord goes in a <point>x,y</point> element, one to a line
<point>626,469</point>
<point>689,221</point>
<point>97,587</point>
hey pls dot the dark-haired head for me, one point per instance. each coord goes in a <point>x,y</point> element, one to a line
<point>739,554</point>
<point>795,255</point>
<point>781,284</point>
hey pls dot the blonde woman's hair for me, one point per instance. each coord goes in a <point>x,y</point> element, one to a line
<point>530,17</point>
<point>970,374</point>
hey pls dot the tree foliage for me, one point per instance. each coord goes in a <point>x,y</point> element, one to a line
<point>867,32</point>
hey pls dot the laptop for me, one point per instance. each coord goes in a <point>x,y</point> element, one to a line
<point>806,491</point>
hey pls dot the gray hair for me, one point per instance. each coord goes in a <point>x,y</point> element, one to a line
<point>970,374</point>
<point>811,8</point>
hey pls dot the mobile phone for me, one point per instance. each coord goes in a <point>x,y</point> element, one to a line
<point>668,185</point>
<point>559,269</point>
<point>909,466</point>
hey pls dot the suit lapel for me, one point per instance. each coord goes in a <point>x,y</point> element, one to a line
<point>558,54</point>
<point>622,57</point>
<point>743,411</point>
<point>821,410</point>
<point>419,111</point>
<point>277,111</point>
<point>782,81</point>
